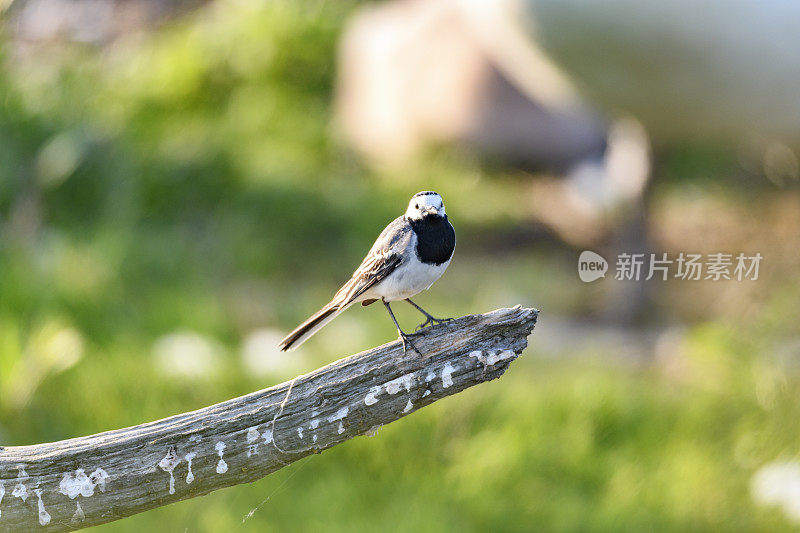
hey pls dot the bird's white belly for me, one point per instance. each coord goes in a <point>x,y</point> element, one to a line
<point>407,280</point>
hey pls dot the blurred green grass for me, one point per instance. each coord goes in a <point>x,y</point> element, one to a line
<point>189,179</point>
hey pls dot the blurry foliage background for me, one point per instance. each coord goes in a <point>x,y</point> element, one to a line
<point>182,191</point>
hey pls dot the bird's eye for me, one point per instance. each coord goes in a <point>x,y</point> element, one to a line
<point>416,206</point>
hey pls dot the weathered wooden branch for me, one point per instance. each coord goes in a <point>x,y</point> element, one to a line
<point>91,480</point>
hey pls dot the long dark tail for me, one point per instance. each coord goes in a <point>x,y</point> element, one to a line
<point>305,330</point>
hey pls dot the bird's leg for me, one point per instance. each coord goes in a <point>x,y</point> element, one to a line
<point>431,320</point>
<point>406,340</point>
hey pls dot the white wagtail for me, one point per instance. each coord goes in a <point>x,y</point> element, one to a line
<point>410,254</point>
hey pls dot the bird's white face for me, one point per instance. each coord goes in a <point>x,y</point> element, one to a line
<point>425,204</point>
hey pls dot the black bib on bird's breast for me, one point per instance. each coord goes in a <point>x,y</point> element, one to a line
<point>436,239</point>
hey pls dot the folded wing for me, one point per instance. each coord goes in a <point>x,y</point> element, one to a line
<point>383,258</point>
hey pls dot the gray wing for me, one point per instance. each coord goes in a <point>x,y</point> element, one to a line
<point>384,257</point>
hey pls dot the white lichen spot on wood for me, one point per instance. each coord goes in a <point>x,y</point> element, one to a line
<point>339,414</point>
<point>267,436</point>
<point>447,375</point>
<point>430,377</point>
<point>222,466</point>
<point>98,478</point>
<point>79,515</point>
<point>252,444</point>
<point>20,490</point>
<point>409,407</point>
<point>341,428</point>
<point>300,432</point>
<point>505,354</point>
<point>426,393</point>
<point>314,437</point>
<point>189,475</point>
<point>44,516</point>
<point>79,484</point>
<point>478,355</point>
<point>372,396</point>
<point>493,358</point>
<point>393,386</point>
<point>314,424</point>
<point>74,485</point>
<point>2,493</point>
<point>252,434</point>
<point>168,464</point>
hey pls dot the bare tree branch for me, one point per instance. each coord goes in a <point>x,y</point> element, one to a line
<point>92,480</point>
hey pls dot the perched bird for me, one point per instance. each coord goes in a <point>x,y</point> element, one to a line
<point>410,254</point>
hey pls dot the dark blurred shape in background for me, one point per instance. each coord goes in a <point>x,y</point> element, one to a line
<point>416,74</point>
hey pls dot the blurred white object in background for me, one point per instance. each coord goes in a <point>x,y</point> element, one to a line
<point>186,354</point>
<point>407,76</point>
<point>778,484</point>
<point>261,356</point>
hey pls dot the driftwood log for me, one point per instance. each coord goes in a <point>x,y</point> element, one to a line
<point>92,480</point>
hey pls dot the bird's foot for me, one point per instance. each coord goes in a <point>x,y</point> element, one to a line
<point>406,343</point>
<point>430,321</point>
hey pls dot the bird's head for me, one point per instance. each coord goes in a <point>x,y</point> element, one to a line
<point>425,204</point>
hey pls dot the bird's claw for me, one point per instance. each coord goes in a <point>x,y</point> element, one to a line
<point>407,342</point>
<point>432,321</point>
